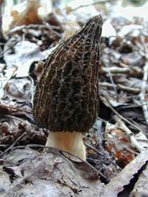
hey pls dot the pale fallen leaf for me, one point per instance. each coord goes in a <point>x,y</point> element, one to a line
<point>45,174</point>
<point>141,186</point>
<point>117,184</point>
<point>25,53</point>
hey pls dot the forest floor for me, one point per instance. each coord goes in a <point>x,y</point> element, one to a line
<point>117,144</point>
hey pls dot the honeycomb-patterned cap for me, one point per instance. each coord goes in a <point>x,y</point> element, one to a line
<point>66,97</point>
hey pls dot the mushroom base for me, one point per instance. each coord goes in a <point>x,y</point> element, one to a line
<point>68,141</point>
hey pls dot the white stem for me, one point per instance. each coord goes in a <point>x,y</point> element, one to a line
<point>68,141</point>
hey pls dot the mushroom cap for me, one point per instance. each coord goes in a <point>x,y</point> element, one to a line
<point>66,96</point>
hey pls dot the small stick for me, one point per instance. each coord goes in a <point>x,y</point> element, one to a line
<point>129,89</point>
<point>124,70</point>
<point>1,54</point>
<point>112,81</point>
<point>121,87</point>
<point>100,153</point>
<point>120,116</point>
<point>1,33</point>
<point>129,133</point>
<point>13,144</point>
<point>2,38</point>
<point>143,92</point>
<point>11,109</point>
<point>144,84</point>
<point>35,26</point>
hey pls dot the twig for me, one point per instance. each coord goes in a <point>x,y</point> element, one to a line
<point>13,144</point>
<point>106,85</point>
<point>144,84</point>
<point>112,81</point>
<point>22,27</point>
<point>10,109</point>
<point>130,106</point>
<point>143,91</point>
<point>1,1</point>
<point>129,89</point>
<point>134,71</point>
<point>115,70</point>
<point>38,27</point>
<point>121,87</point>
<point>1,32</point>
<point>120,116</point>
<point>1,54</point>
<point>100,153</point>
<point>49,27</point>
<point>93,148</point>
<point>33,26</point>
<point>129,133</point>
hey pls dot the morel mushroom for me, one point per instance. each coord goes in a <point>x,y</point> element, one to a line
<point>66,97</point>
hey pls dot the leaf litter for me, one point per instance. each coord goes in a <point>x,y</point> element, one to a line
<point>117,144</point>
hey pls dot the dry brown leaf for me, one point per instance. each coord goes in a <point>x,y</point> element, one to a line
<point>119,145</point>
<point>28,16</point>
